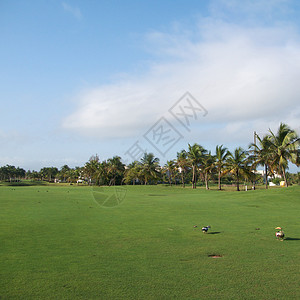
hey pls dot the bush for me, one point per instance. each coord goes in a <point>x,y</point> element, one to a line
<point>276,180</point>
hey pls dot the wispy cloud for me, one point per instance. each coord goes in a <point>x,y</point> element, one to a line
<point>246,77</point>
<point>75,11</point>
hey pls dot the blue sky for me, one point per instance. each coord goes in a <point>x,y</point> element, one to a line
<point>84,77</point>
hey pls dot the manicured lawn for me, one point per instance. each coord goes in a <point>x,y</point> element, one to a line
<point>59,243</point>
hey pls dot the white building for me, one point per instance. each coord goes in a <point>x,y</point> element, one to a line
<point>262,173</point>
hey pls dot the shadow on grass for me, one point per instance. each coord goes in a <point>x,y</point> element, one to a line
<point>291,239</point>
<point>214,232</point>
<point>25,183</point>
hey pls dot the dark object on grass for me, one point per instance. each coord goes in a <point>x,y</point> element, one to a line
<point>205,229</point>
<point>215,255</point>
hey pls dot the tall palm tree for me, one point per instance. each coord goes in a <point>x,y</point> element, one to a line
<point>195,155</point>
<point>208,166</point>
<point>104,175</point>
<point>237,163</point>
<point>115,169</point>
<point>170,170</point>
<point>221,156</point>
<point>182,164</point>
<point>64,171</point>
<point>285,147</point>
<point>150,165</point>
<point>261,154</point>
<point>132,173</point>
<point>91,169</point>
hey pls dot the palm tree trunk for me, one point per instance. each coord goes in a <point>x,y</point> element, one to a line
<point>193,178</point>
<point>237,181</point>
<point>206,181</point>
<point>182,178</point>
<point>193,181</point>
<point>253,180</point>
<point>284,177</point>
<point>266,175</point>
<point>219,180</point>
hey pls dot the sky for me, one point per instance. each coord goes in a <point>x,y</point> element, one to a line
<point>108,77</point>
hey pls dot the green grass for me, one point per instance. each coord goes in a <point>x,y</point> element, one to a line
<point>59,243</point>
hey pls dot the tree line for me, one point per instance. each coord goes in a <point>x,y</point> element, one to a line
<point>193,165</point>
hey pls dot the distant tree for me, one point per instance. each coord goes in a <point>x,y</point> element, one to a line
<point>91,169</point>
<point>71,175</point>
<point>12,173</point>
<point>49,173</point>
<point>285,147</point>
<point>262,154</point>
<point>78,172</point>
<point>36,175</point>
<point>195,156</point>
<point>28,174</point>
<point>115,169</point>
<point>182,164</point>
<point>149,168</point>
<point>133,173</point>
<point>220,163</point>
<point>170,170</point>
<point>237,163</point>
<point>20,173</point>
<point>65,172</point>
<point>208,167</point>
<point>293,178</point>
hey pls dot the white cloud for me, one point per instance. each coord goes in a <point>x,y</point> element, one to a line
<point>75,11</point>
<point>246,77</point>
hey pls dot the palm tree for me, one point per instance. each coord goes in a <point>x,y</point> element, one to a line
<point>49,172</point>
<point>170,170</point>
<point>150,165</point>
<point>64,171</point>
<point>237,163</point>
<point>71,174</point>
<point>91,169</point>
<point>195,155</point>
<point>182,164</point>
<point>248,172</point>
<point>132,173</point>
<point>36,175</point>
<point>115,169</point>
<point>262,155</point>
<point>103,175</point>
<point>221,156</point>
<point>208,165</point>
<point>285,147</point>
